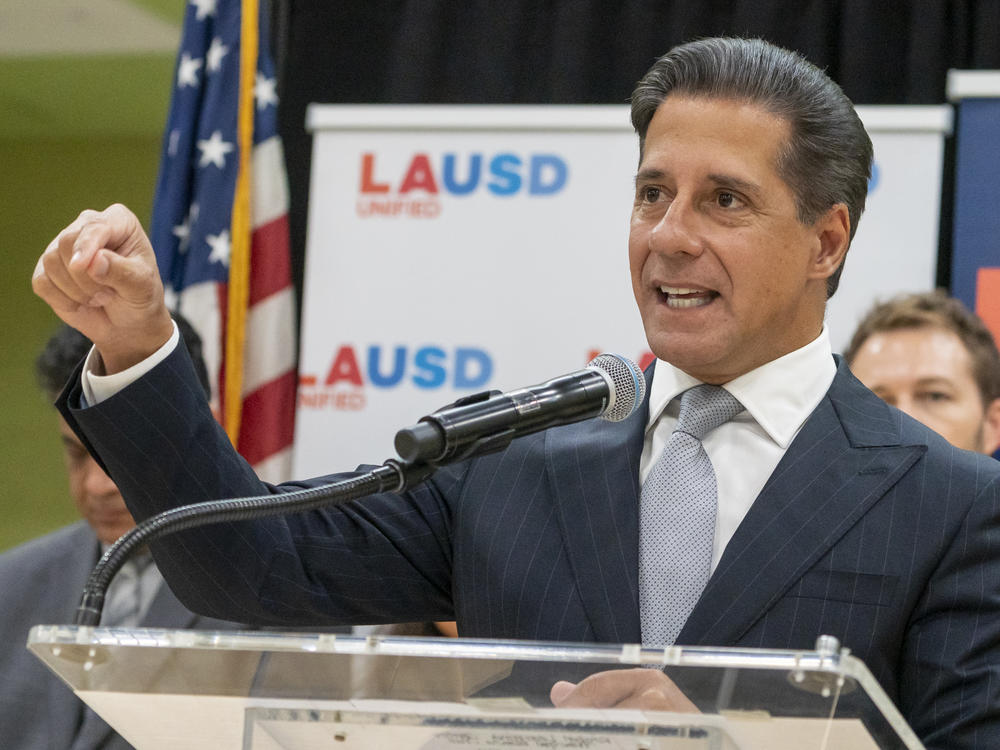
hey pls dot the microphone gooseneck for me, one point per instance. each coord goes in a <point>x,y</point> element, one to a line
<point>392,476</point>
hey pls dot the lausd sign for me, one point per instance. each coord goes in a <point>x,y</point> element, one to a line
<point>343,387</point>
<point>416,190</point>
<point>449,251</point>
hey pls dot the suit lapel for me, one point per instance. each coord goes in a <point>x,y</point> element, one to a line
<point>594,476</point>
<point>845,458</point>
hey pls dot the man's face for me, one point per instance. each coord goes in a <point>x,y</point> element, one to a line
<point>927,373</point>
<point>725,275</point>
<point>96,496</point>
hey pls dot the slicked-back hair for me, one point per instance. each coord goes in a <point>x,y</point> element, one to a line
<point>827,158</point>
<point>67,347</point>
<point>936,310</point>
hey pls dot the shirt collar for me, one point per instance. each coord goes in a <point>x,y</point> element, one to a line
<point>779,395</point>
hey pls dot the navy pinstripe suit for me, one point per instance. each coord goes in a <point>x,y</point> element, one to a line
<point>871,528</point>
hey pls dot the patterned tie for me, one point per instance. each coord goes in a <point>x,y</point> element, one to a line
<point>677,517</point>
<point>123,602</point>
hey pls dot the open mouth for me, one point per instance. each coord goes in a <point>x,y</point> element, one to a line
<point>679,297</point>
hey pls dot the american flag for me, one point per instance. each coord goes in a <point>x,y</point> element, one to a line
<point>220,225</point>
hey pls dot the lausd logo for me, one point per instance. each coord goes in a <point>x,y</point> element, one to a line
<point>417,192</point>
<point>343,387</point>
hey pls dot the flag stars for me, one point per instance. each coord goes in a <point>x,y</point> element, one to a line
<point>187,71</point>
<point>265,92</point>
<point>203,8</point>
<point>173,141</point>
<point>213,58</point>
<point>220,247</point>
<point>183,231</point>
<point>214,150</point>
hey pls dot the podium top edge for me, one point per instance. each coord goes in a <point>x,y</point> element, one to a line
<point>466,648</point>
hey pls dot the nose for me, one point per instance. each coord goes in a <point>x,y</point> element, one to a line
<point>96,481</point>
<point>677,230</point>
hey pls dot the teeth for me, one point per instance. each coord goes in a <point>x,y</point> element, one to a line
<point>688,301</point>
<point>680,290</point>
<point>682,296</point>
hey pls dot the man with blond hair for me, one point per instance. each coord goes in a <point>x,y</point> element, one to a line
<point>931,357</point>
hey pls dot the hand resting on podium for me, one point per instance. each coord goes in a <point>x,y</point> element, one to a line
<point>643,689</point>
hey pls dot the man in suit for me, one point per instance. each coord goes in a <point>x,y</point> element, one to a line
<point>931,357</point>
<point>42,581</point>
<point>833,513</point>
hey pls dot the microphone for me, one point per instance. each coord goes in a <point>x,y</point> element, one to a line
<point>610,387</point>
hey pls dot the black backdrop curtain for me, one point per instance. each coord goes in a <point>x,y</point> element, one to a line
<point>593,51</point>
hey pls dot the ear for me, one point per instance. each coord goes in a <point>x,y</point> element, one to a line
<point>991,428</point>
<point>833,235</point>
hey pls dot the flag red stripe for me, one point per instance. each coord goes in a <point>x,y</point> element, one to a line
<point>268,419</point>
<point>270,267</point>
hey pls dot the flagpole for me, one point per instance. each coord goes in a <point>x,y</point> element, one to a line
<point>239,263</point>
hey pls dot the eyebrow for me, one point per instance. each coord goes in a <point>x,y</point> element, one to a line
<point>742,185</point>
<point>935,380</point>
<point>930,381</point>
<point>652,174</point>
<point>644,175</point>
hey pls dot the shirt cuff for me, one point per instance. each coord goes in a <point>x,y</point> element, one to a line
<point>98,388</point>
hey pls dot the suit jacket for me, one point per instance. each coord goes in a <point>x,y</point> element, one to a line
<point>41,582</point>
<point>872,529</point>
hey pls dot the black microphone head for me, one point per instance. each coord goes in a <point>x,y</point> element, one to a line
<point>626,385</point>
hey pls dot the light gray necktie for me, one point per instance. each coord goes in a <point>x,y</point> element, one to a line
<point>677,517</point>
<point>123,602</point>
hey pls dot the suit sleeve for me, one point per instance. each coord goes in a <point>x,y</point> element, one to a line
<point>950,665</point>
<point>384,558</point>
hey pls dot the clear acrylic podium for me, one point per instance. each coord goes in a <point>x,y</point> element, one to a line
<point>169,689</point>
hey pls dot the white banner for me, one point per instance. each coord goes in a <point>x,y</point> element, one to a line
<point>895,248</point>
<point>458,249</point>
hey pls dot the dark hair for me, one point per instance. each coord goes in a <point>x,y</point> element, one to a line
<point>828,156</point>
<point>936,310</point>
<point>67,346</point>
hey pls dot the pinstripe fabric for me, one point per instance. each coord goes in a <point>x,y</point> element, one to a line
<point>871,529</point>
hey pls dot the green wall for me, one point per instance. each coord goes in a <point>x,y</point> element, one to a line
<point>45,184</point>
<point>74,134</point>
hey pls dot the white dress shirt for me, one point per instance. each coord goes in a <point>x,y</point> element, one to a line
<point>778,397</point>
<point>97,388</point>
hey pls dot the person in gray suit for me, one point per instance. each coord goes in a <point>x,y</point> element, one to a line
<point>831,512</point>
<point>42,580</point>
